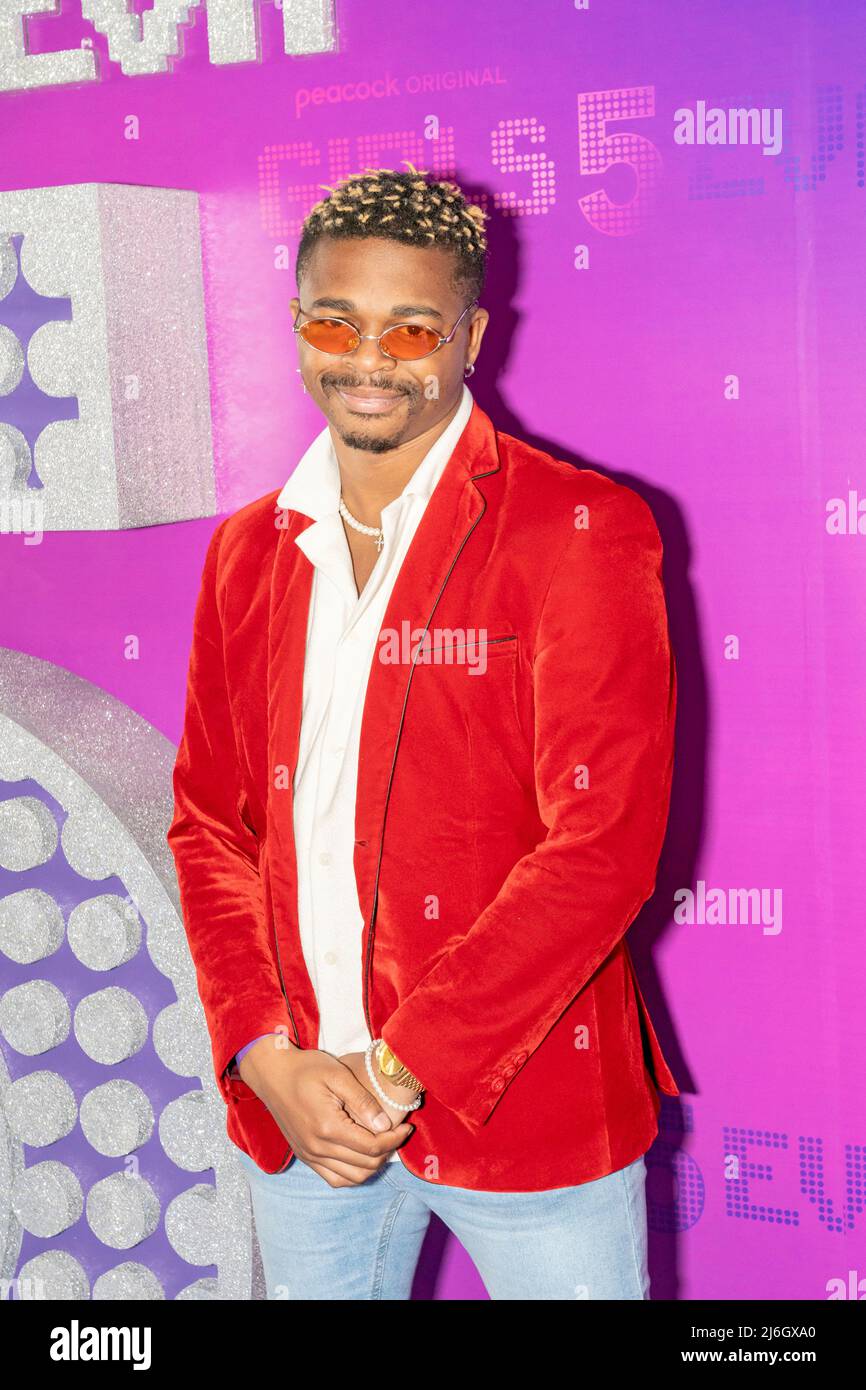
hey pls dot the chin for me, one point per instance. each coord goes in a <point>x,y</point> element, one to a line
<point>369,443</point>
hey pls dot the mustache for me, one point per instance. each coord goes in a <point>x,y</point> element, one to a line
<point>344,384</point>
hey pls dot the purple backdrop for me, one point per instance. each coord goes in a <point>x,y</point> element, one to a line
<point>710,302</point>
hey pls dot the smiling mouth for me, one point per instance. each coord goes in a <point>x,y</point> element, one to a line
<point>364,400</point>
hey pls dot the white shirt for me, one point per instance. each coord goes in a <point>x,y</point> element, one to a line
<point>342,637</point>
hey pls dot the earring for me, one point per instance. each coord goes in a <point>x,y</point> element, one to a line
<point>469,369</point>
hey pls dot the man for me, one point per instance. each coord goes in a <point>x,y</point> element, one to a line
<point>420,796</point>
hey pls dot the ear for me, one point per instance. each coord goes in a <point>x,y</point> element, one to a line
<point>477,324</point>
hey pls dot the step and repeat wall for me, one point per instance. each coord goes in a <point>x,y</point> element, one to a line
<point>677,197</point>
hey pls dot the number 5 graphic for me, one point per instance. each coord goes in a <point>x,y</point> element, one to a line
<point>600,149</point>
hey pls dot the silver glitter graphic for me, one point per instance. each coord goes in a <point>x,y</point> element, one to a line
<point>104,932</point>
<point>11,361</point>
<point>56,1275</point>
<point>128,1282</point>
<point>122,1210</point>
<point>31,926</point>
<point>11,1165</point>
<point>28,833</point>
<point>185,1127</point>
<point>178,1039</point>
<point>34,1017</point>
<point>233,35</point>
<point>190,1224</point>
<point>20,69</point>
<point>8,268</point>
<point>232,31</point>
<point>308,26</point>
<point>140,43</point>
<point>109,774</point>
<point>146,42</point>
<point>116,1118</point>
<point>40,1108</point>
<point>202,1291</point>
<point>111,1025</point>
<point>128,259</point>
<point>47,1198</point>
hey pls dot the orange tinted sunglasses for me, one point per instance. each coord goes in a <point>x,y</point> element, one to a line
<point>405,342</point>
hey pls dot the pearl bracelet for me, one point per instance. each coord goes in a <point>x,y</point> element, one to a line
<point>397,1105</point>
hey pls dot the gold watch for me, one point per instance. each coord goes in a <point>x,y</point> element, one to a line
<point>391,1067</point>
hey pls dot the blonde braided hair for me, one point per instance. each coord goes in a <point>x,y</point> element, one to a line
<point>403,207</point>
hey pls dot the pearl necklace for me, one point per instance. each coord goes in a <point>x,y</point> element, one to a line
<point>375,531</point>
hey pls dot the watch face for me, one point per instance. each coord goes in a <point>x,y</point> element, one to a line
<point>388,1063</point>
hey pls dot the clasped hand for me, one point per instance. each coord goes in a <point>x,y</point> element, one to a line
<point>327,1109</point>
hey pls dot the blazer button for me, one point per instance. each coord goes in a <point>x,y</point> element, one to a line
<point>521,1058</point>
<point>510,1070</point>
<point>498,1084</point>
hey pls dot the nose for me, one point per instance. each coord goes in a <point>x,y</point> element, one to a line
<point>369,357</point>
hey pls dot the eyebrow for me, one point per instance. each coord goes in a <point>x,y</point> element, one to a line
<point>346,306</point>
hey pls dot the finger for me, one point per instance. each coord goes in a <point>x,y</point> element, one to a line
<point>323,1152</point>
<point>324,1149</point>
<point>348,1174</point>
<point>356,1099</point>
<point>329,1127</point>
<point>338,1128</point>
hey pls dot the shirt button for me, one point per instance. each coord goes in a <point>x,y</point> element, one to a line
<point>330,957</point>
<point>324,857</point>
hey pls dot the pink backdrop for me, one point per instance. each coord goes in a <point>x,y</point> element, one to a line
<point>711,299</point>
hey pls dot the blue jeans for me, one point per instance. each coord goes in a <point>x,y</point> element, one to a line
<point>323,1242</point>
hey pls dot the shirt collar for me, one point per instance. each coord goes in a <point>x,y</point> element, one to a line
<point>314,487</point>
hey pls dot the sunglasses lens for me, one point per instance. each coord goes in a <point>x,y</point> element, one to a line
<point>409,340</point>
<point>329,335</point>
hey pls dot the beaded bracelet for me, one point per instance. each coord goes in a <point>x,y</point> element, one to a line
<point>397,1105</point>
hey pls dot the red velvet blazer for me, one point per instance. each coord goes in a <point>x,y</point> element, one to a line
<point>508,824</point>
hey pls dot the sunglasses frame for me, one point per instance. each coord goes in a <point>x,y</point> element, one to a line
<point>377,337</point>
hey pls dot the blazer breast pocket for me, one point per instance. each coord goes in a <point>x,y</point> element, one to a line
<point>500,646</point>
<point>468,652</point>
<point>471,685</point>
